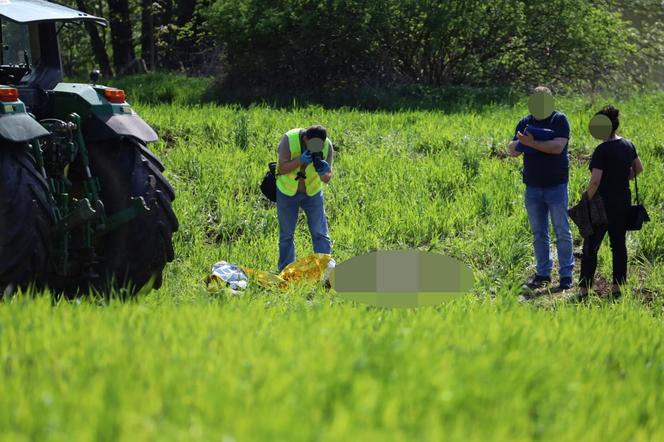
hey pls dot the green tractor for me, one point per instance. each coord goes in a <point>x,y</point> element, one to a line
<point>84,204</point>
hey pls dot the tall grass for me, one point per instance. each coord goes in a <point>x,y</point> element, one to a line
<point>412,179</point>
<point>187,364</point>
<point>161,87</point>
<point>271,367</point>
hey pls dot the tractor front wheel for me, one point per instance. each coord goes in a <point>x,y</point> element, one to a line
<point>133,255</point>
<point>26,220</point>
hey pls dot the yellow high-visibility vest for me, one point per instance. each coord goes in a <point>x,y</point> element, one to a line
<point>288,183</point>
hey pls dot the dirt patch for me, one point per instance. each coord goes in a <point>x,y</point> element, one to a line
<point>499,153</point>
<point>602,287</point>
<point>647,296</point>
<point>580,158</point>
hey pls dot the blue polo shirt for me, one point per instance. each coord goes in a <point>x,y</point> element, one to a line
<point>545,169</point>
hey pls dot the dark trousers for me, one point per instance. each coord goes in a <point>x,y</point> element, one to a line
<point>617,230</point>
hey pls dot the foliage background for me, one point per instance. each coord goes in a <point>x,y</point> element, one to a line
<point>317,50</point>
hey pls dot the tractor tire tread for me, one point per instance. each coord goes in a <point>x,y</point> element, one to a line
<point>26,219</point>
<point>135,253</point>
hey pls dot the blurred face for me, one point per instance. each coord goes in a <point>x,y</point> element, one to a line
<point>314,145</point>
<point>540,105</point>
<point>600,127</point>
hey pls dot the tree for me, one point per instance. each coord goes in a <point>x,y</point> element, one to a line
<point>121,35</point>
<point>148,8</point>
<point>98,45</point>
<point>647,19</point>
<point>154,34</point>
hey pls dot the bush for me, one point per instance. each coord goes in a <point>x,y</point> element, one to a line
<point>297,42</point>
<point>318,47</point>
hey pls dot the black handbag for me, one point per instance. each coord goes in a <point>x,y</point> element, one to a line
<point>269,183</point>
<point>636,214</point>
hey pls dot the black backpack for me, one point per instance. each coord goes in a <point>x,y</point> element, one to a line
<point>269,183</point>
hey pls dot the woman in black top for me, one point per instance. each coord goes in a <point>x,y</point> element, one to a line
<point>613,164</point>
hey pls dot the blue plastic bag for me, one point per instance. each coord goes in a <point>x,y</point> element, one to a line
<point>540,134</point>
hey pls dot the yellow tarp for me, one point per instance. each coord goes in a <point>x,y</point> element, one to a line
<point>311,268</point>
<point>265,279</point>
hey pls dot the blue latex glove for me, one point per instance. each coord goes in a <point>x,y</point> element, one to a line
<point>324,168</point>
<point>306,158</point>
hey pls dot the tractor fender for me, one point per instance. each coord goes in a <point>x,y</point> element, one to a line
<point>102,120</point>
<point>104,126</point>
<point>20,128</point>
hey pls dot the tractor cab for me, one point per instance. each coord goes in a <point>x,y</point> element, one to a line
<point>30,53</point>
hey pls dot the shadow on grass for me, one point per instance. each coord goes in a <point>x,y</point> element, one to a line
<point>409,97</point>
<point>173,88</point>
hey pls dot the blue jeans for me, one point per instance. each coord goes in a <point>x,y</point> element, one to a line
<point>288,208</point>
<point>540,203</point>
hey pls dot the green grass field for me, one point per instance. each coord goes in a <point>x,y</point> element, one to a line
<point>187,364</point>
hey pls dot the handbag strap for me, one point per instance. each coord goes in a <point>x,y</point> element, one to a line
<point>276,168</point>
<point>636,188</point>
<point>636,182</point>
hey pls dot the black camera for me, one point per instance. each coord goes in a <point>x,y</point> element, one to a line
<point>315,146</point>
<point>317,159</point>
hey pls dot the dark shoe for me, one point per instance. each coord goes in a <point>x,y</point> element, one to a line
<point>528,290</point>
<point>615,296</point>
<point>537,282</point>
<point>565,284</point>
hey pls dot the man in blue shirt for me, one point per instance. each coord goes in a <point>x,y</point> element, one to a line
<point>546,174</point>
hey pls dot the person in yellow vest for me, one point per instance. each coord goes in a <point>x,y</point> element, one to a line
<point>300,184</point>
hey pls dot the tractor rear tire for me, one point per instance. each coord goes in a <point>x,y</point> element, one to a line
<point>133,256</point>
<point>26,220</point>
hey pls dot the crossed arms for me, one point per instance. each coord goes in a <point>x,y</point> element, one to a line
<point>553,147</point>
